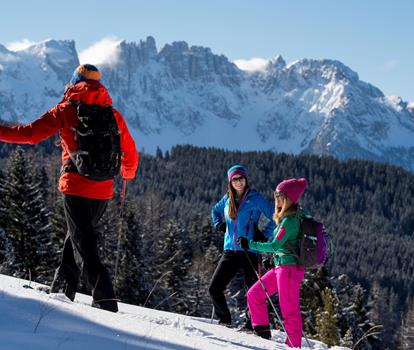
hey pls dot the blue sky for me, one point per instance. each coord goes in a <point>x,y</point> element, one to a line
<point>374,38</point>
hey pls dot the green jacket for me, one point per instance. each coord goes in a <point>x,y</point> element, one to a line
<point>285,239</point>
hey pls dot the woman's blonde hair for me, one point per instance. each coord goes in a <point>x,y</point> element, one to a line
<point>287,208</point>
<point>231,193</point>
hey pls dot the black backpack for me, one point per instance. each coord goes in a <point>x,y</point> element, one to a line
<point>313,243</point>
<point>98,155</point>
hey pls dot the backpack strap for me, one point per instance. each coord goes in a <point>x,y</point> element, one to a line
<point>292,250</point>
<point>73,102</point>
<point>68,165</point>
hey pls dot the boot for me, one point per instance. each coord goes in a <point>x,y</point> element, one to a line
<point>60,285</point>
<point>70,291</point>
<point>107,304</point>
<point>225,324</point>
<point>247,327</point>
<point>263,331</point>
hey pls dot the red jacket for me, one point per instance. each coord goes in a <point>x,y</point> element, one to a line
<point>63,118</point>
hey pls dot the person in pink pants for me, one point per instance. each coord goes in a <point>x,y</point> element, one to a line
<point>286,277</point>
<point>286,281</point>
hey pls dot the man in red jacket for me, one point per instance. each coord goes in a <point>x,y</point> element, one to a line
<point>85,200</point>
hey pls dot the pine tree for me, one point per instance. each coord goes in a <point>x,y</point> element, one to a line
<point>175,257</point>
<point>59,230</point>
<point>359,320</point>
<point>152,218</point>
<point>3,212</point>
<point>196,284</point>
<point>6,253</point>
<point>28,223</point>
<point>312,287</point>
<point>327,319</point>
<point>348,339</point>
<point>382,311</point>
<point>128,278</point>
<point>407,328</point>
<point>204,262</point>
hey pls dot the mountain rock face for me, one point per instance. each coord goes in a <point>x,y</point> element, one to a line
<point>184,94</point>
<point>32,80</point>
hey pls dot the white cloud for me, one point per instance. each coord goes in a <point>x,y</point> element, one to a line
<point>105,51</point>
<point>252,65</point>
<point>20,45</point>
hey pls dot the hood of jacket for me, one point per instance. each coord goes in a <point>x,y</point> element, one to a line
<point>88,92</point>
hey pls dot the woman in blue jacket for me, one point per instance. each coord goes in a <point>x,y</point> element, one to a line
<point>237,215</point>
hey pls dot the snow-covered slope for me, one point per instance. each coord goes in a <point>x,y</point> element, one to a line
<point>30,319</point>
<point>183,94</point>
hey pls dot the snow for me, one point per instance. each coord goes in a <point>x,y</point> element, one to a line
<point>20,45</point>
<point>31,319</point>
<point>190,95</point>
<point>393,102</point>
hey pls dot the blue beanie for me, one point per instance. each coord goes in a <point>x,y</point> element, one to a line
<point>236,170</point>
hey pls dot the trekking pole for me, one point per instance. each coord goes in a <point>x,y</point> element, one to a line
<point>212,315</point>
<point>267,295</point>
<point>121,211</point>
<point>124,184</point>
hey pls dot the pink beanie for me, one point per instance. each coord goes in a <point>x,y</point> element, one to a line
<point>292,188</point>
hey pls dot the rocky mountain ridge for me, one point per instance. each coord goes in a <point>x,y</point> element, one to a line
<point>188,94</point>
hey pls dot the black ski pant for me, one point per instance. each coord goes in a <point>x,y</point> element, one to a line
<point>80,250</point>
<point>227,268</point>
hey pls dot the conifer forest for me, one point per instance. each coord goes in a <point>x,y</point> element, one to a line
<point>165,249</point>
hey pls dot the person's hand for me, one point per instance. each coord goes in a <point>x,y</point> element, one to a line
<point>268,263</point>
<point>221,227</point>
<point>244,243</point>
<point>258,235</point>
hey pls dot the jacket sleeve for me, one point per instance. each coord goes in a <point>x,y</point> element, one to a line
<point>285,231</point>
<point>267,210</point>
<point>42,128</point>
<point>130,156</point>
<point>217,213</point>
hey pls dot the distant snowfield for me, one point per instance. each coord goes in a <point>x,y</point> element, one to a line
<point>30,319</point>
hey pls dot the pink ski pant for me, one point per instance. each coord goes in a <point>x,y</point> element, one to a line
<point>286,281</point>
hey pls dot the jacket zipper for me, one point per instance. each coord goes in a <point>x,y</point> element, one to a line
<point>237,220</point>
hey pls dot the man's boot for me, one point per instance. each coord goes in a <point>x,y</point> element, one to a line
<point>107,304</point>
<point>60,285</point>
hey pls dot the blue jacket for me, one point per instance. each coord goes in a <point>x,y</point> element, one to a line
<point>250,209</point>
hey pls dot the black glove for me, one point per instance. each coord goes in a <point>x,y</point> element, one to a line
<point>244,242</point>
<point>258,235</point>
<point>221,227</point>
<point>268,263</point>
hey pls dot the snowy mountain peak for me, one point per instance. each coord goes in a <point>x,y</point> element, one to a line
<point>3,49</point>
<point>149,46</point>
<point>325,68</point>
<point>52,48</point>
<point>196,63</point>
<point>276,63</point>
<point>133,53</point>
<point>185,94</point>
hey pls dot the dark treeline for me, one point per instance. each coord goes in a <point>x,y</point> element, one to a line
<point>167,250</point>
